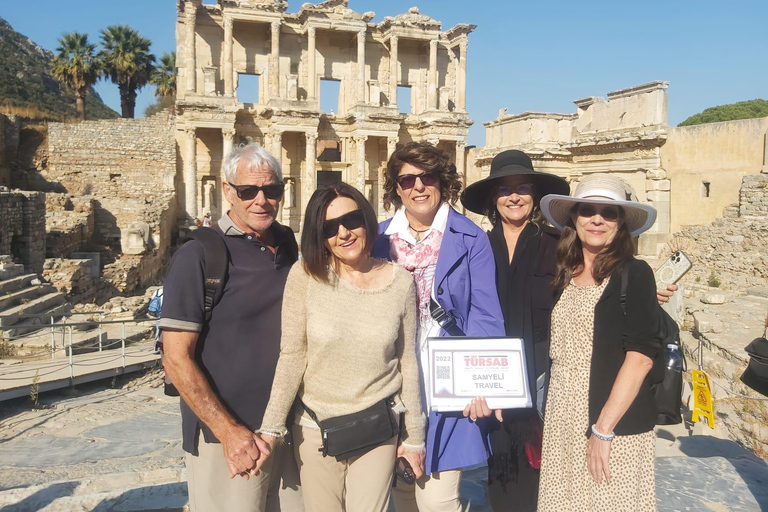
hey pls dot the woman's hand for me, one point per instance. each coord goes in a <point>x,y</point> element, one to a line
<point>664,295</point>
<point>266,444</point>
<point>478,408</point>
<point>414,458</point>
<point>598,458</point>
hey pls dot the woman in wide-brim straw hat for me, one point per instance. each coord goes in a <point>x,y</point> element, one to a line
<point>524,252</point>
<point>599,444</point>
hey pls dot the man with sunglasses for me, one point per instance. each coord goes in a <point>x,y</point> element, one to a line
<point>223,366</point>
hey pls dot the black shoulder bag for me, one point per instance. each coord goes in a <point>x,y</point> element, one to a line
<point>358,433</point>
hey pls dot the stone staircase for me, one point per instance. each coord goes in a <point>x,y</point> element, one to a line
<point>26,303</point>
<point>723,327</point>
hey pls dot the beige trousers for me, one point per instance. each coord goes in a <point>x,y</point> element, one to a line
<point>360,484</point>
<point>438,492</point>
<point>276,489</point>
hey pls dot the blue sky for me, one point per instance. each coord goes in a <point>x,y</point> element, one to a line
<point>535,55</point>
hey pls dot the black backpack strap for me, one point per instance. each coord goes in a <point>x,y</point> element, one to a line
<point>624,283</point>
<point>216,265</point>
<point>445,320</point>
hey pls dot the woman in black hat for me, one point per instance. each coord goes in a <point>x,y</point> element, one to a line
<point>524,251</point>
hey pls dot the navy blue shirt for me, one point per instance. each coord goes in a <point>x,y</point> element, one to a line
<point>237,350</point>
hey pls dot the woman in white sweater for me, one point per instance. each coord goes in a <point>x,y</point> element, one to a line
<point>348,344</point>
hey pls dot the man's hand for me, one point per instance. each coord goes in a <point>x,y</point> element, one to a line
<point>242,451</point>
<point>478,408</point>
<point>664,295</point>
<point>415,459</point>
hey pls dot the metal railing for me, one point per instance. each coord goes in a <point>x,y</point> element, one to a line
<point>66,330</point>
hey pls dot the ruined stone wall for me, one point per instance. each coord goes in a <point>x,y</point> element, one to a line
<point>22,227</point>
<point>733,250</point>
<point>123,163</point>
<point>705,165</point>
<point>69,222</point>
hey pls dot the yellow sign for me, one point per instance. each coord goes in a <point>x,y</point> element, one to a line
<point>702,398</point>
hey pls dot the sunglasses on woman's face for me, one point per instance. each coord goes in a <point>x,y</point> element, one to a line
<point>406,181</point>
<point>523,189</point>
<point>249,192</point>
<point>609,213</point>
<point>351,220</point>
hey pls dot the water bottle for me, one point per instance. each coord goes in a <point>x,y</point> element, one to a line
<point>674,359</point>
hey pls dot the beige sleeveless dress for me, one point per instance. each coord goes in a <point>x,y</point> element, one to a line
<point>566,485</point>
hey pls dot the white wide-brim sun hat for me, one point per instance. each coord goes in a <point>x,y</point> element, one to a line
<point>600,188</point>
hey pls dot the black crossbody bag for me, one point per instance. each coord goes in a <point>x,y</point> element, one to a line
<point>358,433</point>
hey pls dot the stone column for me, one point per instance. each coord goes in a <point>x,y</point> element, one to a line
<point>432,81</point>
<point>360,146</point>
<point>190,15</point>
<point>190,174</point>
<point>277,147</point>
<point>309,180</point>
<point>311,63</point>
<point>227,57</point>
<point>361,66</point>
<point>461,79</point>
<point>228,137</point>
<point>274,62</point>
<point>460,157</point>
<point>391,146</point>
<point>394,67</point>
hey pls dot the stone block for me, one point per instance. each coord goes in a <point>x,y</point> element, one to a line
<point>714,298</point>
<point>735,239</point>
<point>706,323</point>
<point>135,238</point>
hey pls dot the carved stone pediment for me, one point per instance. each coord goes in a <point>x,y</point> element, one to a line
<point>258,5</point>
<point>413,18</point>
<point>335,9</point>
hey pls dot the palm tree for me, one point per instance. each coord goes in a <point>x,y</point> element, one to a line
<point>164,77</point>
<point>127,62</point>
<point>76,67</point>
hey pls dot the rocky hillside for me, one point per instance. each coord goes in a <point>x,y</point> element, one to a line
<point>26,81</point>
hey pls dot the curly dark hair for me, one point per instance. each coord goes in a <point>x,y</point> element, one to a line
<point>427,157</point>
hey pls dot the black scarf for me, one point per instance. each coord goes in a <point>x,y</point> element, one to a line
<point>513,282</point>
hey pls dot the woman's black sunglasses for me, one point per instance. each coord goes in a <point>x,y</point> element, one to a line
<point>406,181</point>
<point>351,220</point>
<point>249,192</point>
<point>609,213</point>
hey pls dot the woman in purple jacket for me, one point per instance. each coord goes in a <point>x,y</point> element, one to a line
<point>452,263</point>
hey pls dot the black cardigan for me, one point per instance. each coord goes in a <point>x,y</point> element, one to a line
<point>615,334</point>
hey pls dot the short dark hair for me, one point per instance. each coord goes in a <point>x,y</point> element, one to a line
<point>424,156</point>
<point>314,252</point>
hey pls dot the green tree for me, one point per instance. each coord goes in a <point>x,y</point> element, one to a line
<point>164,77</point>
<point>127,61</point>
<point>741,110</point>
<point>76,67</point>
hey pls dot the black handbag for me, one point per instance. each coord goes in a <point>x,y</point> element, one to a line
<point>358,433</point>
<point>756,374</point>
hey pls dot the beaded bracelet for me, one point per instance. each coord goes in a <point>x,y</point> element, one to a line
<point>270,434</point>
<point>602,437</point>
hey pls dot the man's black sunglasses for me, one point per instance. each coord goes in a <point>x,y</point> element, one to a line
<point>249,192</point>
<point>351,220</point>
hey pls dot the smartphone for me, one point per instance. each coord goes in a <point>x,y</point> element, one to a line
<point>672,270</point>
<point>404,470</point>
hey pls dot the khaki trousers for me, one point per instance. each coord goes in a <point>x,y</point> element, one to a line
<point>438,492</point>
<point>360,484</point>
<point>276,489</point>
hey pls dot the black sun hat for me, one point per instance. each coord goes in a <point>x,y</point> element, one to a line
<point>511,163</point>
<point>756,374</point>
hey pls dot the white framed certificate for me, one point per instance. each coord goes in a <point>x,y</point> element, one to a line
<point>462,368</point>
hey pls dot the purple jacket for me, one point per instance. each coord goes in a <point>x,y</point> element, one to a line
<point>465,284</point>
